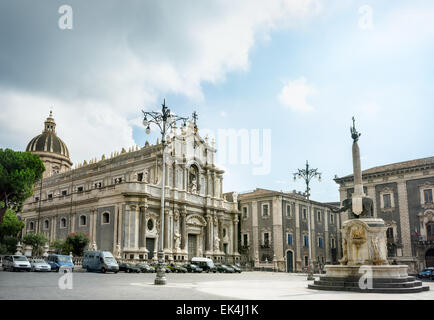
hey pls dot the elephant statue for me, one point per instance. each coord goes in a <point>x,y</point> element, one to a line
<point>347,205</point>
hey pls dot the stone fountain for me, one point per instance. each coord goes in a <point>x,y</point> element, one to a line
<point>364,266</point>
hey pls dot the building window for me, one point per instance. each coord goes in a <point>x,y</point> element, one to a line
<point>31,226</point>
<point>306,241</point>
<point>332,218</point>
<point>80,189</point>
<point>427,194</point>
<point>82,221</point>
<point>150,224</point>
<point>387,203</point>
<point>245,239</point>
<point>430,231</point>
<point>389,234</point>
<point>318,216</point>
<point>64,192</point>
<point>288,210</point>
<point>140,176</point>
<point>320,243</point>
<point>118,180</point>
<point>63,223</point>
<point>245,212</point>
<point>306,261</point>
<point>265,210</point>
<point>50,196</point>
<point>36,199</point>
<point>304,213</point>
<point>105,218</point>
<point>333,243</point>
<point>46,224</point>
<point>289,239</point>
<point>266,239</point>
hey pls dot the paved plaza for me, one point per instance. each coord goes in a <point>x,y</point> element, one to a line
<point>124,286</point>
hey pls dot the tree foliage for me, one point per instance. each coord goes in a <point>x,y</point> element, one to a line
<point>18,173</point>
<point>60,247</point>
<point>11,225</point>
<point>77,242</point>
<point>37,241</point>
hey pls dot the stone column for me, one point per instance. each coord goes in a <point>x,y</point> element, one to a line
<point>126,228</point>
<point>404,219</point>
<point>326,235</point>
<point>115,228</point>
<point>142,243</point>
<point>276,236</point>
<point>220,220</point>
<point>136,227</point>
<point>183,214</point>
<point>235,246</point>
<point>255,231</point>
<point>166,229</point>
<point>298,237</point>
<point>209,233</point>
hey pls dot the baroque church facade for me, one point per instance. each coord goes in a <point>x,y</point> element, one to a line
<point>117,200</point>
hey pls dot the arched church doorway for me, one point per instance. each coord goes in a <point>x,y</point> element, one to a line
<point>289,261</point>
<point>429,258</point>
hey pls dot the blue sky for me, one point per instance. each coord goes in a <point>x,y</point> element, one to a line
<point>299,68</point>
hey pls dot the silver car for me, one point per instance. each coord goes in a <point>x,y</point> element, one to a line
<point>39,265</point>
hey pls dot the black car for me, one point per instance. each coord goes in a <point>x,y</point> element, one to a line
<point>155,266</point>
<point>175,268</point>
<point>128,267</point>
<point>145,268</point>
<point>236,268</point>
<point>224,268</point>
<point>192,268</point>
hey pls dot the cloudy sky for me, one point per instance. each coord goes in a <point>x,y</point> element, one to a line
<point>292,71</point>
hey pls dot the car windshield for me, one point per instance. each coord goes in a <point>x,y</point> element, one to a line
<point>65,259</point>
<point>38,261</point>
<point>20,258</point>
<point>109,259</point>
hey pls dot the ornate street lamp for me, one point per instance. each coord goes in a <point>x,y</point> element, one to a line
<point>307,174</point>
<point>165,120</point>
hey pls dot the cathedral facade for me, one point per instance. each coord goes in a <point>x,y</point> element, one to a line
<point>117,200</point>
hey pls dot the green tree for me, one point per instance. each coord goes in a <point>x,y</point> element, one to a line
<point>11,225</point>
<point>37,241</point>
<point>60,247</point>
<point>77,242</point>
<point>19,171</point>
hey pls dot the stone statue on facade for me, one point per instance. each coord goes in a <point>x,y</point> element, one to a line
<point>177,239</point>
<point>216,243</point>
<point>146,176</point>
<point>193,186</point>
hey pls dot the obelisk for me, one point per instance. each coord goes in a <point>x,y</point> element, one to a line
<point>357,199</point>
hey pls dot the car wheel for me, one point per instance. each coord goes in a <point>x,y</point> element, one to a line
<point>103,270</point>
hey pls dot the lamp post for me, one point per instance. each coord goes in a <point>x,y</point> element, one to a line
<point>307,174</point>
<point>164,120</point>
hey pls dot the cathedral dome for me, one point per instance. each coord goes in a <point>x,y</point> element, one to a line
<point>49,145</point>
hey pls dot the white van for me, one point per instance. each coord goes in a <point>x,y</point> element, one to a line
<point>99,261</point>
<point>205,263</point>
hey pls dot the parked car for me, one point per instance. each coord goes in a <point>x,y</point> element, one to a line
<point>224,268</point>
<point>145,268</point>
<point>176,268</point>
<point>128,267</point>
<point>206,264</point>
<point>39,265</point>
<point>16,263</point>
<point>427,273</point>
<point>155,266</point>
<point>192,268</point>
<point>99,261</point>
<point>236,268</point>
<point>58,261</point>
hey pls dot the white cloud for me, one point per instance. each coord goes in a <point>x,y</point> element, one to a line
<point>148,50</point>
<point>294,95</point>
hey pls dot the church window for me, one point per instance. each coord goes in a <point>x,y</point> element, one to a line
<point>318,214</point>
<point>64,192</point>
<point>289,239</point>
<point>332,218</point>
<point>304,213</point>
<point>82,220</point>
<point>387,201</point>
<point>245,212</point>
<point>140,176</point>
<point>105,218</point>
<point>63,223</point>
<point>150,224</point>
<point>320,243</point>
<point>46,224</point>
<point>306,241</point>
<point>31,226</point>
<point>288,210</point>
<point>427,195</point>
<point>265,210</point>
<point>80,189</point>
